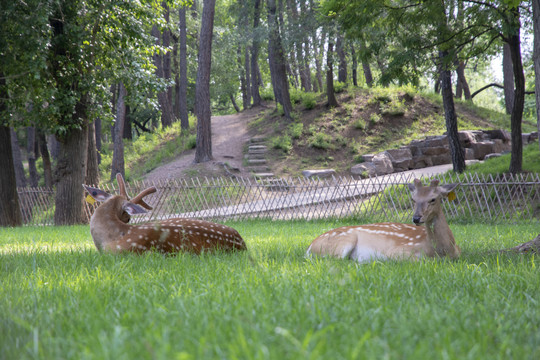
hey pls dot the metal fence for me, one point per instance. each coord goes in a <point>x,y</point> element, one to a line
<point>505,197</point>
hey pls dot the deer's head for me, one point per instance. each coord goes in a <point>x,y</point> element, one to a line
<point>427,200</point>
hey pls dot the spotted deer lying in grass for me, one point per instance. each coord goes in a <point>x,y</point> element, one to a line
<point>111,232</point>
<point>394,240</point>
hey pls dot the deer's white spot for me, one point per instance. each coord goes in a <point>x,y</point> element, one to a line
<point>128,240</point>
<point>118,247</point>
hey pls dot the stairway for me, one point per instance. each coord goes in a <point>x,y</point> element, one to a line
<point>256,158</point>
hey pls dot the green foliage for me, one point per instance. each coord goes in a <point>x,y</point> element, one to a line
<point>360,124</point>
<point>267,94</point>
<point>339,87</point>
<point>374,118</point>
<point>309,100</point>
<point>500,165</point>
<point>283,143</point>
<point>296,130</point>
<point>321,140</point>
<point>61,297</point>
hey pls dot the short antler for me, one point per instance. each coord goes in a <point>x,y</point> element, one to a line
<point>137,199</point>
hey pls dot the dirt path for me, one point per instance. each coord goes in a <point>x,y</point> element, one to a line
<point>229,135</point>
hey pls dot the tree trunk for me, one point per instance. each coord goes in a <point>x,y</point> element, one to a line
<point>70,173</point>
<point>182,94</point>
<point>20,176</point>
<point>342,71</point>
<point>97,126</point>
<point>117,165</point>
<point>248,74</point>
<point>31,151</point>
<point>127,134</point>
<point>167,70</point>
<point>47,166</point>
<point>516,158</point>
<point>508,79</point>
<point>243,91</point>
<point>456,151</point>
<point>332,101</point>
<point>318,50</point>
<point>462,81</point>
<point>276,58</point>
<point>536,59</point>
<point>236,108</point>
<point>255,56</point>
<point>305,46</point>
<point>366,67</point>
<point>203,151</point>
<point>354,66</point>
<point>10,211</point>
<point>92,168</point>
<point>163,96</point>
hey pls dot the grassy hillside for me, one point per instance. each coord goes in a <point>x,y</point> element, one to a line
<point>367,121</point>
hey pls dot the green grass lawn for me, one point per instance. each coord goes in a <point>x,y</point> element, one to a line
<point>60,299</point>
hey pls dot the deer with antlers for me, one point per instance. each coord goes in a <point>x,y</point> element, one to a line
<point>394,240</point>
<point>111,232</point>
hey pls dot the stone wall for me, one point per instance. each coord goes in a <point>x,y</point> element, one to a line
<point>435,150</point>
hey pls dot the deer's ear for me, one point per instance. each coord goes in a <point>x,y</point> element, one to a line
<point>447,188</point>
<point>97,194</point>
<point>133,209</point>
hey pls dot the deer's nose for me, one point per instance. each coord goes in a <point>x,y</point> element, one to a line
<point>416,219</point>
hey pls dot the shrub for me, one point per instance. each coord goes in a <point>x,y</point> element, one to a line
<point>374,118</point>
<point>360,124</point>
<point>295,95</point>
<point>339,87</point>
<point>309,100</point>
<point>296,130</point>
<point>267,94</point>
<point>321,140</point>
<point>283,143</point>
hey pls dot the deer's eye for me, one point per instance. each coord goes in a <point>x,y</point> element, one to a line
<point>432,201</point>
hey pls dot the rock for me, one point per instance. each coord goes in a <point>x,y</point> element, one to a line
<point>368,157</point>
<point>525,137</point>
<point>257,147</point>
<point>482,148</point>
<point>439,150</point>
<point>469,154</point>
<point>401,158</point>
<point>419,162</point>
<point>441,159</point>
<point>436,141</point>
<point>498,134</point>
<point>323,173</point>
<point>467,137</point>
<point>256,161</point>
<point>491,156</point>
<point>263,175</point>
<point>383,164</point>
<point>500,146</point>
<point>366,169</point>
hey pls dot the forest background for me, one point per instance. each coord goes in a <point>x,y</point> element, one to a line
<point>74,73</point>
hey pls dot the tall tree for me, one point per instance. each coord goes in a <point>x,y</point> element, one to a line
<point>276,59</point>
<point>255,80</point>
<point>342,68</point>
<point>117,165</point>
<point>330,94</point>
<point>183,81</point>
<point>508,79</point>
<point>32,155</point>
<point>163,95</point>
<point>203,151</point>
<point>20,176</point>
<point>44,152</point>
<point>10,211</point>
<point>536,59</point>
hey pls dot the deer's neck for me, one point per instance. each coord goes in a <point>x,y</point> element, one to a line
<point>441,237</point>
<point>105,228</point>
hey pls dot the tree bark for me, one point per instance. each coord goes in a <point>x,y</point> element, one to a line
<point>70,172</point>
<point>354,66</point>
<point>31,151</point>
<point>456,151</point>
<point>255,81</point>
<point>10,211</point>
<point>332,101</point>
<point>342,68</point>
<point>117,165</point>
<point>248,74</point>
<point>167,70</point>
<point>20,176</point>
<point>513,40</point>
<point>182,93</point>
<point>47,166</point>
<point>241,70</point>
<point>92,168</point>
<point>203,151</point>
<point>508,79</point>
<point>366,68</point>
<point>163,96</point>
<point>276,58</point>
<point>97,126</point>
<point>536,59</point>
<point>463,85</point>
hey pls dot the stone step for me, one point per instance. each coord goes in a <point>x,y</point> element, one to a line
<point>264,175</point>
<point>261,151</point>
<point>256,161</point>
<point>258,169</point>
<point>257,139</point>
<point>257,147</point>
<point>255,156</point>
